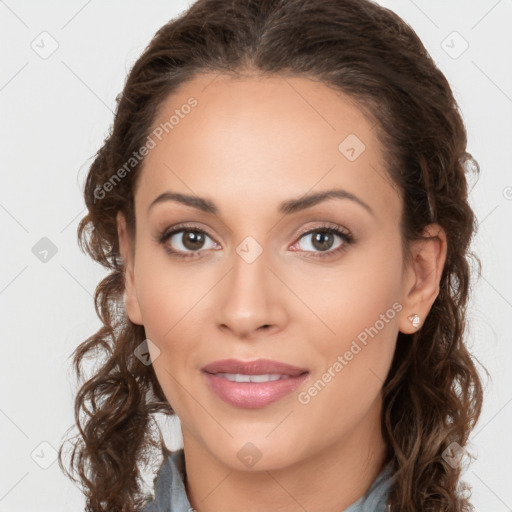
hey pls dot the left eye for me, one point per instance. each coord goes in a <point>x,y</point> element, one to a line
<point>322,239</point>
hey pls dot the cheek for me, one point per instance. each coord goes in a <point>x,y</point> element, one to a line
<point>356,357</point>
<point>356,297</point>
<point>168,308</point>
<point>359,305</point>
<point>168,299</point>
<point>167,291</point>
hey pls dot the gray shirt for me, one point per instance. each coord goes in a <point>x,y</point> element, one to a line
<point>171,496</point>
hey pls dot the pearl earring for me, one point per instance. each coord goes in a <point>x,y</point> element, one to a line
<point>414,319</point>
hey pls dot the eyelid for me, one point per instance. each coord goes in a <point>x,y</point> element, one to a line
<point>303,231</point>
<point>323,225</point>
<point>164,235</point>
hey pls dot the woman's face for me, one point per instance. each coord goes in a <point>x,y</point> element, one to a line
<point>266,280</point>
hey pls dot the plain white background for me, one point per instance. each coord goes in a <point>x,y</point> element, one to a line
<point>56,111</point>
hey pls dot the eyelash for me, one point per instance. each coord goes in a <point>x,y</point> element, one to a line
<point>347,238</point>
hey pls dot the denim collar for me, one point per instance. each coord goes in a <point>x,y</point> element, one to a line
<point>171,496</point>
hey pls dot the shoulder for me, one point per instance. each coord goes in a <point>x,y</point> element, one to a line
<point>375,500</point>
<point>169,487</point>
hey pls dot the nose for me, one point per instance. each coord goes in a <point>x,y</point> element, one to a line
<point>250,301</point>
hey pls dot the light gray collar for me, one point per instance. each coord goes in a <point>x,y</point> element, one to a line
<point>171,495</point>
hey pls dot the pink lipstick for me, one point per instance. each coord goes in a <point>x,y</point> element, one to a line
<point>252,384</point>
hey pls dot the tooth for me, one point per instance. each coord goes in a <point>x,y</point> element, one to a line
<point>265,378</point>
<point>238,377</point>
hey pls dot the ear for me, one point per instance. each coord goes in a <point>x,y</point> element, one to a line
<point>422,276</point>
<point>127,250</point>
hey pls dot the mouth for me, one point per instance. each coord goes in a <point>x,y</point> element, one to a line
<point>252,384</point>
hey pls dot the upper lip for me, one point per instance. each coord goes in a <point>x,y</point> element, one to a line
<point>256,367</point>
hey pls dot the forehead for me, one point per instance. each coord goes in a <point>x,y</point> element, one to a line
<point>257,140</point>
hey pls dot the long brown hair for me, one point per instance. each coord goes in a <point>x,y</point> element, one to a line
<point>433,393</point>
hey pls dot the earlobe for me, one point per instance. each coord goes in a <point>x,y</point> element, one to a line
<point>127,252</point>
<point>421,285</point>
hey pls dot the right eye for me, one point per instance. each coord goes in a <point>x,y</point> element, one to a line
<point>185,242</point>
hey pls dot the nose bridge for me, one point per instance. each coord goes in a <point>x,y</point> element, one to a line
<point>250,267</point>
<point>250,298</point>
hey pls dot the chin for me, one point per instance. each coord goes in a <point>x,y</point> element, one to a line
<point>257,453</point>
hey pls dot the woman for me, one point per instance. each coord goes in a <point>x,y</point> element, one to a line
<point>283,206</point>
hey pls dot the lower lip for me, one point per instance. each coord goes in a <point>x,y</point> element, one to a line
<point>252,395</point>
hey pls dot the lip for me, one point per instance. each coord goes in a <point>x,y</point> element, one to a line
<point>256,367</point>
<point>253,395</point>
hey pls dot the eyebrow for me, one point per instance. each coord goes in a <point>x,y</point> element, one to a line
<point>286,207</point>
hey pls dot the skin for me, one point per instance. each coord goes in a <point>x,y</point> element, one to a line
<point>248,145</point>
